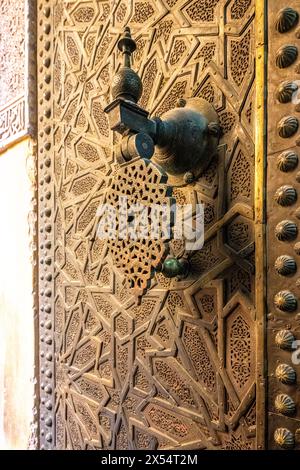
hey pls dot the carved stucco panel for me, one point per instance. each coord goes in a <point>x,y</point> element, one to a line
<point>17,70</point>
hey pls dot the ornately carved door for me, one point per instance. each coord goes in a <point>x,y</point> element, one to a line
<point>184,369</point>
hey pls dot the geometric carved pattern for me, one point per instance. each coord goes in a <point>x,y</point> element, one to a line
<point>240,351</point>
<point>178,370</point>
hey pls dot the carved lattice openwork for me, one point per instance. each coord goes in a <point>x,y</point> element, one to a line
<point>132,221</point>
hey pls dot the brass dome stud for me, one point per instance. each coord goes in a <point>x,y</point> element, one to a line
<point>285,265</point>
<point>284,339</point>
<point>287,127</point>
<point>286,19</point>
<point>286,56</point>
<point>284,404</point>
<point>285,91</point>
<point>285,301</point>
<point>286,230</point>
<point>284,438</point>
<point>287,161</point>
<point>285,374</point>
<point>285,195</point>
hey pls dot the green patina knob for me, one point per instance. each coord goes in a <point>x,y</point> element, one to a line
<point>173,267</point>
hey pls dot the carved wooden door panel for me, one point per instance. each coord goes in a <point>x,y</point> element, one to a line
<point>181,369</point>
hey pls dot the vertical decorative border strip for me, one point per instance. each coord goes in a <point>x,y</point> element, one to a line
<point>260,214</point>
<point>45,53</point>
<point>31,165</point>
<point>283,184</point>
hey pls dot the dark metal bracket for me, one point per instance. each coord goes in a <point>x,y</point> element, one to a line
<point>183,141</point>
